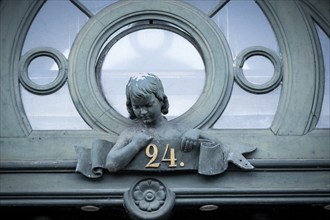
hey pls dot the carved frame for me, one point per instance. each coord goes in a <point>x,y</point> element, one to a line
<point>210,42</point>
<point>37,167</point>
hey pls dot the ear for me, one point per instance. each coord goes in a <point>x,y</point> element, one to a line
<point>165,105</point>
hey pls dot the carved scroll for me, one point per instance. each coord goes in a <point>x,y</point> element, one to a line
<point>209,159</point>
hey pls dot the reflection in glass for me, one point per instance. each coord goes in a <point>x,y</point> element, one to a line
<point>258,69</point>
<point>164,53</point>
<point>244,25</point>
<point>42,70</point>
<point>324,120</point>
<point>56,25</point>
<point>52,112</point>
<point>247,110</point>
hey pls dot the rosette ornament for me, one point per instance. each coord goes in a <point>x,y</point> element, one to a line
<point>149,199</point>
<point>149,195</point>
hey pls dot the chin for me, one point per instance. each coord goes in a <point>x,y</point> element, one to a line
<point>148,122</point>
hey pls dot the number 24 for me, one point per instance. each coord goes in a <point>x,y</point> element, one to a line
<point>153,156</point>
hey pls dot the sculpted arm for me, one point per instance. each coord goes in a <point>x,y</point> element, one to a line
<point>193,137</point>
<point>125,150</point>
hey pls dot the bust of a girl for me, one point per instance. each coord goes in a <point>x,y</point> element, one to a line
<point>147,104</point>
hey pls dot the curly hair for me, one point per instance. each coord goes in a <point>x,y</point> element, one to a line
<point>140,85</point>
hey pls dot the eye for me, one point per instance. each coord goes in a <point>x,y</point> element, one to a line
<point>149,104</point>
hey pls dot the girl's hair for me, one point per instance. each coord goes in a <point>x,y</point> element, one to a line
<point>140,85</point>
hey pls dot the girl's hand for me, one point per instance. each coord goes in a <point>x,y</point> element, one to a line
<point>190,140</point>
<point>141,140</point>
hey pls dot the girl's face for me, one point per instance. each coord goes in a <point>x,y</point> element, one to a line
<point>147,109</point>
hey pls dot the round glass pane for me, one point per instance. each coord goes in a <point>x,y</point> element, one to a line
<point>258,69</point>
<point>43,70</point>
<point>164,53</point>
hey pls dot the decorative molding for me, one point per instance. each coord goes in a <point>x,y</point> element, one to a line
<point>302,91</point>
<point>214,50</point>
<point>16,18</point>
<point>245,188</point>
<point>69,166</point>
<point>319,10</point>
<point>38,167</point>
<point>58,145</point>
<point>51,87</point>
<point>149,199</point>
<point>246,84</point>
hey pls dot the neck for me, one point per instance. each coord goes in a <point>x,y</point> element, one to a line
<point>157,123</point>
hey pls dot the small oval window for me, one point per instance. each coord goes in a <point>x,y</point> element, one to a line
<point>258,70</point>
<point>43,70</point>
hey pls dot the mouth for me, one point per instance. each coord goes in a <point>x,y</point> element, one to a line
<point>146,119</point>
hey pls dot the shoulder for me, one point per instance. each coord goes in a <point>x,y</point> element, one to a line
<point>131,131</point>
<point>178,127</point>
<point>125,137</point>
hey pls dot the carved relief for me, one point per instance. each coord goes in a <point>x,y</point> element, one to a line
<point>149,195</point>
<point>149,199</point>
<point>154,143</point>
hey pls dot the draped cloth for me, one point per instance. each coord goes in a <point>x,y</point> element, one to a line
<point>91,161</point>
<point>209,159</point>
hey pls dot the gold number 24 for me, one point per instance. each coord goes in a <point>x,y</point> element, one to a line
<point>153,156</point>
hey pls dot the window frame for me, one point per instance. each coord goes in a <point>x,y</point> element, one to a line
<point>217,59</point>
<point>293,153</point>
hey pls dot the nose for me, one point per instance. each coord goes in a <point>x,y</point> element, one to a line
<point>143,111</point>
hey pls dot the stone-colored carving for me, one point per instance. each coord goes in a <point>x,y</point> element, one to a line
<point>154,143</point>
<point>149,195</point>
<point>149,199</point>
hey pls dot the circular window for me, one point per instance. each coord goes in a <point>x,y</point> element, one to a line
<point>258,69</point>
<point>270,79</point>
<point>43,70</point>
<point>167,54</point>
<point>119,23</point>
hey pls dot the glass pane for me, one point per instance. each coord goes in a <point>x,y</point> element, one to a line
<point>164,53</point>
<point>324,120</point>
<point>56,26</point>
<point>204,5</point>
<point>258,69</point>
<point>96,6</point>
<point>52,112</point>
<point>246,110</point>
<point>43,70</point>
<point>244,25</point>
